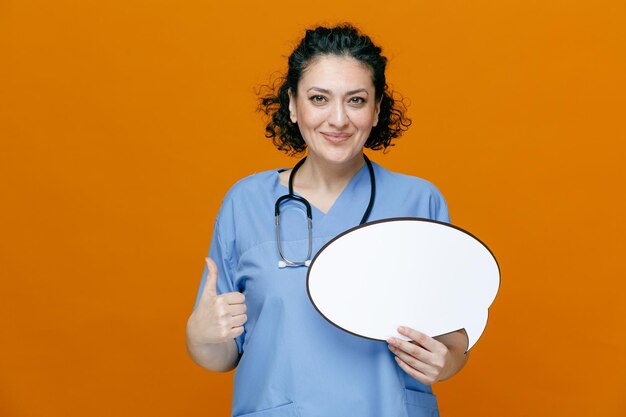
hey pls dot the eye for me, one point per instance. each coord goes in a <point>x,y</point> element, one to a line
<point>318,99</point>
<point>356,100</point>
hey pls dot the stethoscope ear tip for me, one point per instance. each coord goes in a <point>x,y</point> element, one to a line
<point>282,264</point>
<point>307,262</point>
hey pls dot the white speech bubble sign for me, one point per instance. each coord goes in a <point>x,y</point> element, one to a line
<point>419,273</point>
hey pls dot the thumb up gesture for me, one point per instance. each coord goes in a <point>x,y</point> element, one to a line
<point>217,318</point>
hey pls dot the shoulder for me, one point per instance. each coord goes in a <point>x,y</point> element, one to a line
<point>251,186</point>
<point>247,195</point>
<point>253,181</point>
<point>409,196</point>
<point>405,183</point>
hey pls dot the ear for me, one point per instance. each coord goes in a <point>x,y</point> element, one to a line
<point>377,112</point>
<point>292,107</point>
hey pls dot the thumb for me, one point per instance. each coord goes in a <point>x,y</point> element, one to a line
<point>210,285</point>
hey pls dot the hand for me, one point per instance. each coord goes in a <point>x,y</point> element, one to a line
<point>217,318</point>
<point>424,359</point>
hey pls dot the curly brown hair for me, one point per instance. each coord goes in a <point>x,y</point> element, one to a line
<point>341,40</point>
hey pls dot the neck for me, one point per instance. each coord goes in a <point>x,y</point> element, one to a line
<point>321,175</point>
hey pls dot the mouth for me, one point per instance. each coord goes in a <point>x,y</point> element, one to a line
<point>336,137</point>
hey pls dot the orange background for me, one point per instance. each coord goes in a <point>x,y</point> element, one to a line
<point>123,124</point>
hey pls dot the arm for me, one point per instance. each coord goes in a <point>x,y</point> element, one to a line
<point>214,324</point>
<point>456,342</point>
<point>428,359</point>
<point>222,357</point>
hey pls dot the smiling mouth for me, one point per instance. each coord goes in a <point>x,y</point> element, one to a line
<point>336,137</point>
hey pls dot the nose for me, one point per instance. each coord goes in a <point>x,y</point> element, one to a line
<point>338,117</point>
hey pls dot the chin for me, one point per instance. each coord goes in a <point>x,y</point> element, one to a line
<point>343,157</point>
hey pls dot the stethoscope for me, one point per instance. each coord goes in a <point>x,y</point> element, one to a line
<point>291,196</point>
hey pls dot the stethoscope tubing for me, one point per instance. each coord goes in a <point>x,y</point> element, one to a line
<point>284,262</point>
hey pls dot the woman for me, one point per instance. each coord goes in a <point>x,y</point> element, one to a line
<point>252,310</point>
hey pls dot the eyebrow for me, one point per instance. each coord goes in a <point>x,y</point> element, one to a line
<point>349,93</point>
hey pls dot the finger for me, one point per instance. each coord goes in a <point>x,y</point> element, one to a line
<point>239,320</point>
<point>414,373</point>
<point>234,297</point>
<point>235,332</point>
<point>420,338</point>
<point>210,283</point>
<point>236,309</point>
<point>424,367</point>
<point>411,348</point>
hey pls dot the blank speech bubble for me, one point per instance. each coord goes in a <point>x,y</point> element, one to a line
<point>419,273</point>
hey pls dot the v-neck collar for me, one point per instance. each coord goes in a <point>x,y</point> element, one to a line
<point>350,195</point>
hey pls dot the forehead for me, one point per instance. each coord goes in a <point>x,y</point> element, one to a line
<point>336,72</point>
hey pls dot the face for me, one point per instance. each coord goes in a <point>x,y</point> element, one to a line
<point>335,108</point>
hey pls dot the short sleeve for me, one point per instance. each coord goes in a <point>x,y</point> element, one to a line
<point>438,207</point>
<point>222,252</point>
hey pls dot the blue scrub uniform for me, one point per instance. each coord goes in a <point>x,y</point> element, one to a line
<point>295,363</point>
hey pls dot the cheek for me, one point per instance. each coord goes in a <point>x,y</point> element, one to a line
<point>364,120</point>
<point>310,117</point>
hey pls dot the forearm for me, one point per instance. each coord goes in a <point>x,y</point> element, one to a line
<point>456,342</point>
<point>217,357</point>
